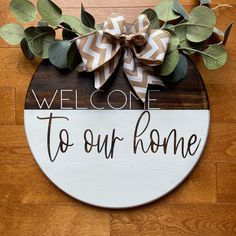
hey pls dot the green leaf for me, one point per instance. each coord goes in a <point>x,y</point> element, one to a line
<point>12,33</point>
<point>25,49</point>
<point>86,18</point>
<point>73,57</point>
<point>165,12</point>
<point>23,10</point>
<point>226,34</point>
<point>67,33</point>
<point>214,57</point>
<point>152,17</point>
<point>174,42</point>
<point>201,23</point>
<point>178,8</point>
<point>76,25</point>
<point>180,70</point>
<point>169,27</point>
<point>39,40</point>
<point>49,11</point>
<point>57,53</point>
<point>181,32</point>
<point>170,62</point>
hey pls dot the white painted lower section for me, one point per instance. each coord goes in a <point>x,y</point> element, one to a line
<point>127,179</point>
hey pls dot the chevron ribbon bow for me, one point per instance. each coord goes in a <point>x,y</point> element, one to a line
<point>144,48</point>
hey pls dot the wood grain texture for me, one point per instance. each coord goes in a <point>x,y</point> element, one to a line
<point>223,107</point>
<point>15,155</point>
<point>156,219</point>
<point>12,136</point>
<point>221,144</point>
<point>204,205</point>
<point>57,219</point>
<point>7,105</point>
<point>226,183</point>
<point>20,104</point>
<point>15,69</point>
<point>190,93</point>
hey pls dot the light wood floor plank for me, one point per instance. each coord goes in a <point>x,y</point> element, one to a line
<point>168,220</point>
<point>226,184</point>
<point>7,106</point>
<point>45,219</point>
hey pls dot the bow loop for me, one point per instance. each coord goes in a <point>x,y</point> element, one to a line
<point>140,25</point>
<point>144,48</point>
<point>96,49</point>
<point>153,52</point>
<point>115,25</point>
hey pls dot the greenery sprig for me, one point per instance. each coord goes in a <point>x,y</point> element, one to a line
<point>40,40</point>
<point>190,34</point>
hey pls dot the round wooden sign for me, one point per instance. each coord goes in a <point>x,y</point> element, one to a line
<point>108,149</point>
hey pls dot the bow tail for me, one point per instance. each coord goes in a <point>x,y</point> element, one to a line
<point>102,74</point>
<point>139,75</point>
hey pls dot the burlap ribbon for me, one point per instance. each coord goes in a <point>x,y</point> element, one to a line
<point>144,49</point>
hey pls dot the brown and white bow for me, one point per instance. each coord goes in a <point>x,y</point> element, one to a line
<point>144,49</point>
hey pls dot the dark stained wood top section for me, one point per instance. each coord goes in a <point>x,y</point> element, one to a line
<point>189,93</point>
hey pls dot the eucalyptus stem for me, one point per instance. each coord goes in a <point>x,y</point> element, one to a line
<point>62,27</point>
<point>164,25</point>
<point>221,5</point>
<point>198,51</point>
<point>191,49</point>
<point>185,23</point>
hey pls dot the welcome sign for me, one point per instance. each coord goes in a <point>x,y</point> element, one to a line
<point>107,148</point>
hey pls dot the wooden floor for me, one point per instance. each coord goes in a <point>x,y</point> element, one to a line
<point>205,204</point>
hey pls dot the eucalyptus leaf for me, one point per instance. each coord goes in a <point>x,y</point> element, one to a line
<point>67,32</point>
<point>12,33</point>
<point>177,7</point>
<point>73,57</point>
<point>39,40</point>
<point>49,11</point>
<point>152,17</point>
<point>25,49</point>
<point>170,62</point>
<point>76,25</point>
<point>164,10</point>
<point>57,53</point>
<point>214,57</point>
<point>186,44</point>
<point>181,32</point>
<point>168,27</point>
<point>23,10</point>
<point>86,18</point>
<point>174,42</point>
<point>226,34</point>
<point>180,70</point>
<point>201,24</point>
